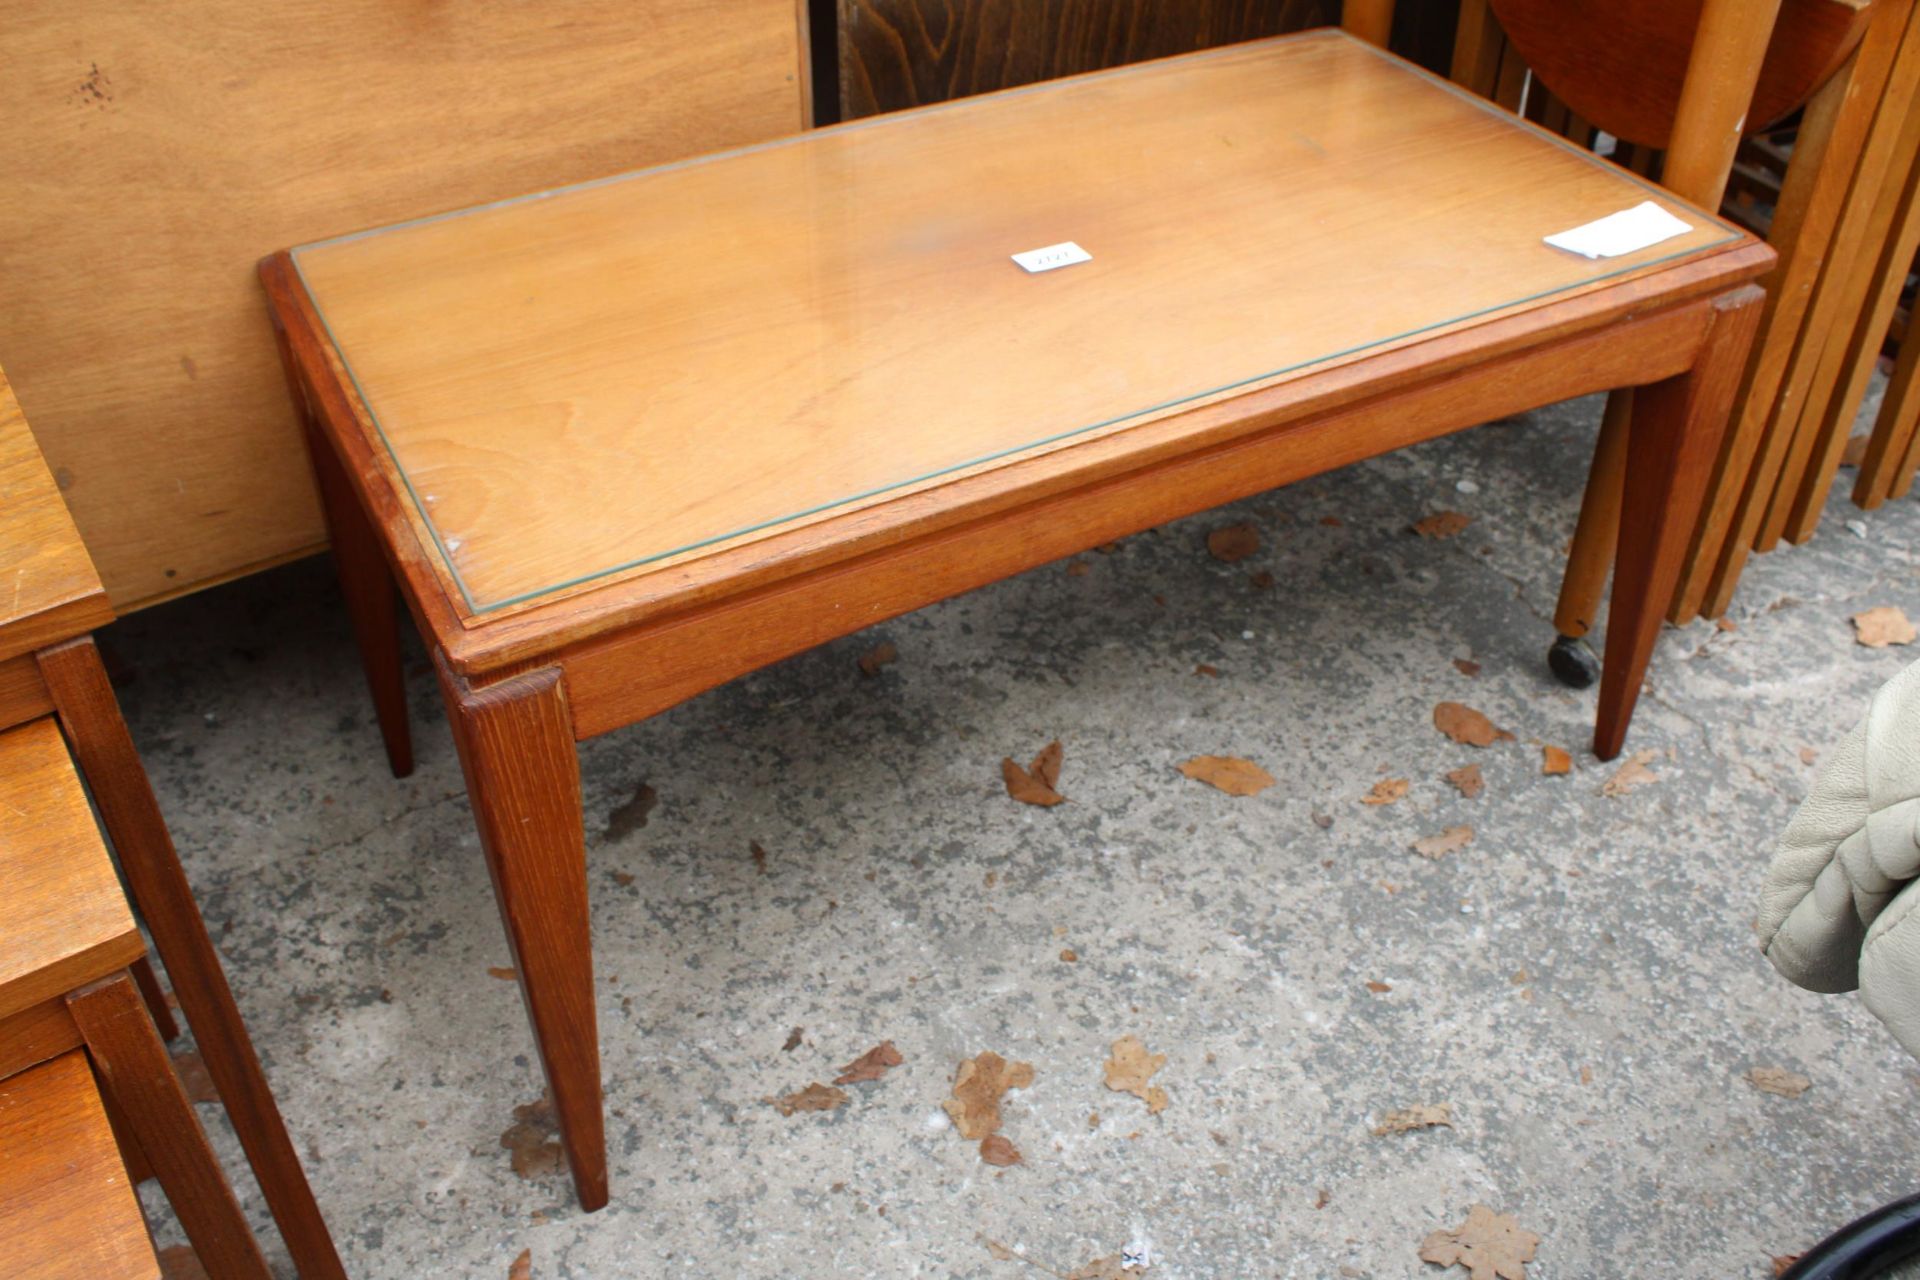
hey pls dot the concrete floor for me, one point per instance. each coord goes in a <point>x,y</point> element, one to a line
<point>1580,983</point>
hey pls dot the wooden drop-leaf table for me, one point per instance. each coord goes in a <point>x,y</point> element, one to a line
<point>624,441</point>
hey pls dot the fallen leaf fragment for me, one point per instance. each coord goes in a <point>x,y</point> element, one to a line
<point>815,1097</point>
<point>1778,1080</point>
<point>882,654</point>
<point>1261,581</point>
<point>1491,1246</point>
<point>192,1070</point>
<point>504,973</point>
<point>996,1150</point>
<point>1108,1268</point>
<point>1878,628</point>
<point>1069,956</point>
<point>1129,1066</point>
<point>1452,840</point>
<point>1808,755</point>
<point>1230,774</point>
<point>1441,524</point>
<point>1036,783</point>
<point>978,1086</point>
<point>871,1065</point>
<point>1555,761</point>
<point>632,815</point>
<point>522,1268</point>
<point>1422,1115</point>
<point>793,1040</point>
<point>532,1139</point>
<point>1078,568</point>
<point>1465,725</point>
<point>1783,1263</point>
<point>999,1251</point>
<point>1207,669</point>
<point>1385,791</point>
<point>1631,775</point>
<point>1379,988</point>
<point>1466,666</point>
<point>1467,780</point>
<point>758,855</point>
<point>1233,542</point>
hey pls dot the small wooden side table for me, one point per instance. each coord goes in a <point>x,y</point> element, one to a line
<point>621,442</point>
<point>49,667</point>
<point>67,1208</point>
<point>66,939</point>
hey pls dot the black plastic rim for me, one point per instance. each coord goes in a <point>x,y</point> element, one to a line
<point>1866,1247</point>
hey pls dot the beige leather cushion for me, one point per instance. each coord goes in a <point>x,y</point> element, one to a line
<point>1837,911</point>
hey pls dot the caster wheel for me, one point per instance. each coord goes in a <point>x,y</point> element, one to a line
<point>1573,662</point>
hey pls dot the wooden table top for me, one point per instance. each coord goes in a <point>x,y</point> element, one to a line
<point>48,589</point>
<point>623,379</point>
<point>63,918</point>
<point>67,1210</point>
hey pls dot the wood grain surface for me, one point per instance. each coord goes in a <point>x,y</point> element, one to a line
<point>66,920</point>
<point>67,1209</point>
<point>48,588</point>
<point>544,372</point>
<point>908,53</point>
<point>157,152</point>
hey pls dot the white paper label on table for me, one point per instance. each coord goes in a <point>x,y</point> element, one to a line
<point>1624,232</point>
<point>1054,256</point>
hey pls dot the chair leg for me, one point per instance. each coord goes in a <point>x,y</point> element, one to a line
<point>1591,555</point>
<point>516,746</point>
<point>1671,447</point>
<point>158,885</point>
<point>133,1066</point>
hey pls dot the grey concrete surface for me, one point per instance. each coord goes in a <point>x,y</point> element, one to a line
<point>1580,983</point>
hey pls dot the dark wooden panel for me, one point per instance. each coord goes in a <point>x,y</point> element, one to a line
<point>905,53</point>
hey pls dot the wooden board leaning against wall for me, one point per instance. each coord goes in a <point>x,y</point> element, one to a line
<point>156,153</point>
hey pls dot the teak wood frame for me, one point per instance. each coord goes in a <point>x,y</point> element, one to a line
<point>522,686</point>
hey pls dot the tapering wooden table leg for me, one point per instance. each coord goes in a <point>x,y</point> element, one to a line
<point>516,745</point>
<point>372,598</point>
<point>134,1068</point>
<point>90,715</point>
<point>1671,447</point>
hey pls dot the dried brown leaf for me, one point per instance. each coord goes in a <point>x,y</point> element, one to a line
<point>1379,988</point>
<point>522,1268</point>
<point>1207,669</point>
<point>978,1086</point>
<point>1452,840</point>
<point>996,1150</point>
<point>1466,666</point>
<point>532,1138</point>
<point>1078,568</point>
<point>1467,780</point>
<point>1783,1263</point>
<point>1421,1115</point>
<point>759,856</point>
<point>632,815</point>
<point>1555,761</point>
<point>815,1097</point>
<point>1386,791</point>
<point>871,1065</point>
<point>999,1251</point>
<point>793,1040</point>
<point>1129,1066</point>
<point>1778,1080</point>
<point>1632,775</point>
<point>1465,725</point>
<point>1108,1268</point>
<point>1230,774</point>
<point>1441,524</point>
<point>1878,628</point>
<point>1491,1246</point>
<point>1261,581</point>
<point>503,972</point>
<point>1233,542</point>
<point>881,655</point>
<point>1036,784</point>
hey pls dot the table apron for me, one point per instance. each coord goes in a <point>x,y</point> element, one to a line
<point>619,679</point>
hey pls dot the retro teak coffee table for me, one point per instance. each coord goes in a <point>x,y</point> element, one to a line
<point>623,441</point>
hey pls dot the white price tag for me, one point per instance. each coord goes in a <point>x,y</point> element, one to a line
<point>1053,257</point>
<point>1624,232</point>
